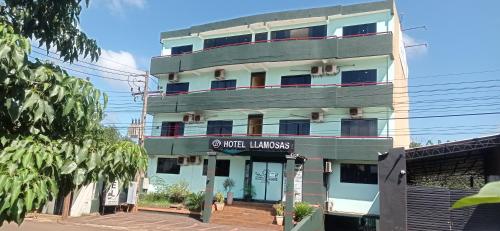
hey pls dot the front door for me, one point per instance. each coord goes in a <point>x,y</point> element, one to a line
<point>267,180</point>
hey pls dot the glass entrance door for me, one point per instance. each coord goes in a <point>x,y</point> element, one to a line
<point>267,180</point>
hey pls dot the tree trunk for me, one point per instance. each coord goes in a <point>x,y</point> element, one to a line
<point>66,205</point>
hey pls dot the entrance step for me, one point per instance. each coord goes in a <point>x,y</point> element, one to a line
<point>247,214</point>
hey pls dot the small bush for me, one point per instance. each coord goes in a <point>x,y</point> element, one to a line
<point>279,208</point>
<point>219,197</point>
<point>177,192</point>
<point>158,200</point>
<point>302,209</point>
<point>194,201</point>
<point>228,184</point>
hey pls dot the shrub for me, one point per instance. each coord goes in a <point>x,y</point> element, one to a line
<point>302,209</point>
<point>153,200</point>
<point>194,201</point>
<point>219,197</point>
<point>177,192</point>
<point>228,184</point>
<point>279,208</point>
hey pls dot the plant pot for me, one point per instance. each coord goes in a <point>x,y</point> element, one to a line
<point>219,206</point>
<point>229,198</point>
<point>279,220</point>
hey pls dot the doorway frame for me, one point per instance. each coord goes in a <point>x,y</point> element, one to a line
<point>267,161</point>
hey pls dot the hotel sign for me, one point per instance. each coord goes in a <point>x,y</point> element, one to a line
<point>233,146</point>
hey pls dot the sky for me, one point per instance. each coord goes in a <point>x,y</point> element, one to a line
<point>461,55</point>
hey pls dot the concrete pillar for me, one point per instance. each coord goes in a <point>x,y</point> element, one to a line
<point>290,175</point>
<point>209,188</point>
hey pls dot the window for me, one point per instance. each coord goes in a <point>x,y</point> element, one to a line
<point>221,167</point>
<point>364,77</point>
<point>174,88</point>
<point>359,127</point>
<point>294,127</point>
<point>291,81</point>
<point>307,32</point>
<point>360,29</point>
<point>216,42</point>
<point>220,127</point>
<point>168,165</point>
<point>223,85</point>
<point>181,49</point>
<point>358,173</point>
<point>261,37</point>
<point>172,129</point>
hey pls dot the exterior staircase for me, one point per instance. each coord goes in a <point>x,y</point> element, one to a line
<point>247,214</point>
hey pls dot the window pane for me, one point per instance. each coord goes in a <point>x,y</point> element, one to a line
<point>290,81</point>
<point>261,37</point>
<point>216,42</point>
<point>317,31</point>
<point>168,165</point>
<point>219,127</point>
<point>182,49</point>
<point>358,173</point>
<point>294,127</point>
<point>359,77</point>
<point>299,33</point>
<point>172,129</point>
<point>223,85</point>
<point>174,88</point>
<point>359,127</point>
<point>360,29</point>
<point>221,167</point>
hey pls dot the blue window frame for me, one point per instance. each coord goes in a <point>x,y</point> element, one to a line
<point>295,127</point>
<point>223,84</point>
<point>361,77</point>
<point>359,29</point>
<point>172,129</point>
<point>359,173</point>
<point>359,127</point>
<point>181,49</point>
<point>290,81</point>
<point>260,37</point>
<point>174,88</point>
<point>221,167</point>
<point>220,127</point>
<point>168,166</point>
<point>306,32</point>
<point>216,42</point>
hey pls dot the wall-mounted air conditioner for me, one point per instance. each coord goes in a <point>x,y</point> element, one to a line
<point>196,160</point>
<point>198,118</point>
<point>331,69</point>
<point>329,206</point>
<point>219,74</point>
<point>173,77</point>
<point>181,160</point>
<point>187,118</point>
<point>316,70</point>
<point>328,167</point>
<point>356,112</point>
<point>317,117</point>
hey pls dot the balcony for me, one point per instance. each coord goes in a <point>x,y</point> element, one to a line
<point>277,50</point>
<point>313,96</point>
<point>331,147</point>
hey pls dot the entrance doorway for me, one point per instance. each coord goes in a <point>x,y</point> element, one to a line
<point>255,125</point>
<point>267,180</point>
<point>258,80</point>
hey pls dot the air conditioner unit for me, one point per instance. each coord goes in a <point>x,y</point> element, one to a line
<point>173,77</point>
<point>329,206</point>
<point>196,160</point>
<point>331,69</point>
<point>181,160</point>
<point>219,74</point>
<point>355,112</point>
<point>187,118</point>
<point>328,167</point>
<point>316,70</point>
<point>317,117</point>
<point>198,118</point>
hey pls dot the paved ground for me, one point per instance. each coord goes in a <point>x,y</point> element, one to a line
<point>141,221</point>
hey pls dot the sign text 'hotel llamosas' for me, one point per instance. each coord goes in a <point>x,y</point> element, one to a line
<point>251,145</point>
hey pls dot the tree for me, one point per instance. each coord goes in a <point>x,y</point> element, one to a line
<point>50,121</point>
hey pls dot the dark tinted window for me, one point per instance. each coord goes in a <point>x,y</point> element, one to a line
<point>296,80</point>
<point>358,173</point>
<point>294,127</point>
<point>220,127</point>
<point>359,127</point>
<point>168,165</point>
<point>172,129</point>
<point>216,42</point>
<point>182,49</point>
<point>221,167</point>
<point>223,85</point>
<point>359,77</point>
<point>307,32</point>
<point>261,37</point>
<point>360,29</point>
<point>173,88</point>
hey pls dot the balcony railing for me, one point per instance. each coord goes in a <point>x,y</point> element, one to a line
<point>269,135</point>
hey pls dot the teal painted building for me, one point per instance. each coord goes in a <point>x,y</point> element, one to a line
<point>332,82</point>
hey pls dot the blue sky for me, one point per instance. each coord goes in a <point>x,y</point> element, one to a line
<point>462,37</point>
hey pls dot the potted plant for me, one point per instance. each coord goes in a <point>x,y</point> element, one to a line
<point>228,185</point>
<point>248,192</point>
<point>219,201</point>
<point>279,208</point>
<point>302,210</point>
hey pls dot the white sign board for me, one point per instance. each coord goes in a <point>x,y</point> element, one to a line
<point>112,195</point>
<point>132,193</point>
<point>297,184</point>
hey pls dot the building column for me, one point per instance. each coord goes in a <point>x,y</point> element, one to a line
<point>209,188</point>
<point>289,192</point>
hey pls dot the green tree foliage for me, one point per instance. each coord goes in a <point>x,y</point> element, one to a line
<point>51,140</point>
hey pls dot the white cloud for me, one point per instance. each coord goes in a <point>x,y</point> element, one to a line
<point>118,64</point>
<point>412,52</point>
<point>118,6</point>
